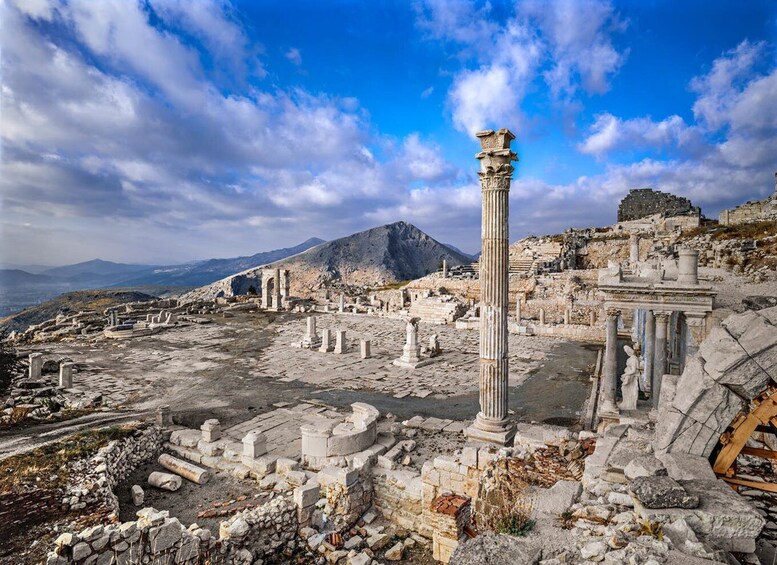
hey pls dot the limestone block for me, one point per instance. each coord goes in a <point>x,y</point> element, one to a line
<point>722,517</point>
<point>337,475</point>
<point>557,499</point>
<point>211,430</point>
<point>66,375</point>
<point>254,445</point>
<point>661,492</point>
<point>185,438</point>
<point>283,466</point>
<point>727,363</point>
<point>687,467</point>
<point>211,448</point>
<point>261,466</point>
<point>307,495</point>
<point>364,349</point>
<point>137,495</point>
<point>644,466</point>
<point>166,481</point>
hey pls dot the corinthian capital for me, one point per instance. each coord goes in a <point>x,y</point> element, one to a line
<point>495,157</point>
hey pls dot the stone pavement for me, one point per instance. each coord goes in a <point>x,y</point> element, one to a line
<point>454,372</point>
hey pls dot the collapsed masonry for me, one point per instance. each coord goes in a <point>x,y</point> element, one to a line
<point>643,202</point>
<point>754,211</point>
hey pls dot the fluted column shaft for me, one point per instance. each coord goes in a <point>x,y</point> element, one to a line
<point>650,347</point>
<point>610,369</point>
<point>659,353</point>
<point>491,423</point>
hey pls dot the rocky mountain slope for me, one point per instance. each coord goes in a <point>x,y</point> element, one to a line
<point>375,257</point>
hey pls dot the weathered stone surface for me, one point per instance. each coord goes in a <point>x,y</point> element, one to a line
<point>137,495</point>
<point>722,518</point>
<point>686,467</point>
<point>497,549</point>
<point>662,492</point>
<point>558,498</point>
<point>166,481</point>
<point>644,466</point>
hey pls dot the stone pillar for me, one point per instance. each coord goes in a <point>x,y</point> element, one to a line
<point>592,318</point>
<point>650,347</point>
<point>286,287</point>
<point>696,331</point>
<point>688,267</point>
<point>609,383</point>
<point>340,341</point>
<point>164,416</point>
<point>491,424</point>
<point>518,310</point>
<point>444,269</point>
<point>659,354</point>
<point>542,316</point>
<point>66,375</point>
<point>326,341</point>
<point>567,316</point>
<point>311,335</point>
<point>276,299</point>
<point>633,248</point>
<point>341,309</point>
<point>36,365</point>
<point>364,348</point>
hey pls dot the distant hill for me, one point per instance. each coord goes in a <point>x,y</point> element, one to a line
<point>20,289</point>
<point>206,272</point>
<point>97,300</point>
<point>95,270</point>
<point>12,277</point>
<point>378,256</point>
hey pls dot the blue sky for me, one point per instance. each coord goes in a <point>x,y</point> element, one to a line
<point>166,130</point>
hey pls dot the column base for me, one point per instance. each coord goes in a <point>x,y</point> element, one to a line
<point>412,364</point>
<point>494,435</point>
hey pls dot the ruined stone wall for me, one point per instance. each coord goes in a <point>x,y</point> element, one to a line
<point>97,477</point>
<point>397,494</point>
<point>264,533</point>
<point>641,202</point>
<point>756,211</point>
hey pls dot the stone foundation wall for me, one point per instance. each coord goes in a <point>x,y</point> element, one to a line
<point>97,478</point>
<point>437,310</point>
<point>264,533</point>
<point>397,494</point>
<point>756,211</point>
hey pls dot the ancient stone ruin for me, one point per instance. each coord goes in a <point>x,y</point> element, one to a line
<point>643,202</point>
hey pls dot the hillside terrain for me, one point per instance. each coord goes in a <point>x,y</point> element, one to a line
<point>372,258</point>
<point>71,302</point>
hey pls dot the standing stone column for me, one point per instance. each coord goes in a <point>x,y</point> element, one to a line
<point>276,299</point>
<point>688,266</point>
<point>341,309</point>
<point>36,365</point>
<point>542,316</point>
<point>444,269</point>
<point>650,347</point>
<point>491,423</point>
<point>66,375</point>
<point>326,346</point>
<point>659,354</point>
<point>610,370</point>
<point>633,248</point>
<point>518,310</point>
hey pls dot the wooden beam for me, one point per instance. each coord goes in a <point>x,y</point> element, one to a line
<point>761,414</point>
<point>758,452</point>
<point>770,487</point>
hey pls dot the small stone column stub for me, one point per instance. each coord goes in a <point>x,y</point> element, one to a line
<point>650,347</point>
<point>66,375</point>
<point>36,365</point>
<point>444,269</point>
<point>326,346</point>
<point>491,424</point>
<point>688,266</point>
<point>610,370</point>
<point>518,309</point>
<point>633,248</point>
<point>659,353</point>
<point>542,316</point>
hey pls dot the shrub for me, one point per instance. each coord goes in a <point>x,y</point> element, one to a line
<point>505,505</point>
<point>9,363</point>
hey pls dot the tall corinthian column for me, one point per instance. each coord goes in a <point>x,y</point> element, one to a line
<point>491,424</point>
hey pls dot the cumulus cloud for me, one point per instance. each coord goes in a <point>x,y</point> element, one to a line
<point>294,56</point>
<point>609,133</point>
<point>566,43</point>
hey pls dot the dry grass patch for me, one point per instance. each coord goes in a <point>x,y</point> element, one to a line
<point>47,467</point>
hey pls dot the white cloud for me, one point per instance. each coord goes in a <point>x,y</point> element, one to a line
<point>610,133</point>
<point>563,41</point>
<point>294,56</point>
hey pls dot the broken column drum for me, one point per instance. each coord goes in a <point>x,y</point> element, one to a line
<point>491,423</point>
<point>688,266</point>
<point>633,248</point>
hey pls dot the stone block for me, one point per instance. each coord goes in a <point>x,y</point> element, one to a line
<point>557,499</point>
<point>644,466</point>
<point>185,438</point>
<point>254,445</point>
<point>307,495</point>
<point>469,457</point>
<point>211,430</point>
<point>662,492</point>
<point>687,467</point>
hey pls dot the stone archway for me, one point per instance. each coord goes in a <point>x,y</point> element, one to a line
<point>734,366</point>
